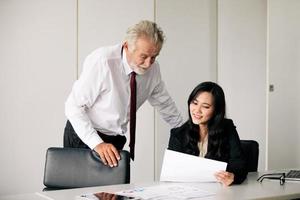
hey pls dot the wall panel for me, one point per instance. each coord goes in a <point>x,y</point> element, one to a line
<point>284,73</point>
<point>38,65</point>
<point>242,66</point>
<point>187,58</point>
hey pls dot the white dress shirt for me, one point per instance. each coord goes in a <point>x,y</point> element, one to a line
<point>100,98</point>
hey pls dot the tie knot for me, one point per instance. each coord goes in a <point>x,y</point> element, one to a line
<point>132,77</point>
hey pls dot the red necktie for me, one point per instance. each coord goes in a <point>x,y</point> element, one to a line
<point>132,113</point>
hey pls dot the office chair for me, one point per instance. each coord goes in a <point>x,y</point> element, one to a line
<point>74,168</point>
<point>251,152</point>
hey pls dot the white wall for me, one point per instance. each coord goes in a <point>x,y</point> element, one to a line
<point>242,36</point>
<point>188,57</point>
<point>284,68</point>
<point>37,61</point>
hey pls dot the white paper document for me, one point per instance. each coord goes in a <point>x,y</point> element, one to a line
<point>166,192</point>
<point>180,167</point>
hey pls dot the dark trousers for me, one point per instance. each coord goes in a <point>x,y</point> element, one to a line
<point>72,140</point>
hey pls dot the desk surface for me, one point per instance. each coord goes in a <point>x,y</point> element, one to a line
<point>249,189</point>
<point>31,196</point>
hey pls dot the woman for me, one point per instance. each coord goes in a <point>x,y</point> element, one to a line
<point>207,133</point>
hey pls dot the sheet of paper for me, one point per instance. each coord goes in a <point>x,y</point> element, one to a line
<point>167,192</point>
<point>182,167</point>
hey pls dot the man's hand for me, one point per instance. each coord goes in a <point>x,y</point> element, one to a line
<point>226,178</point>
<point>108,154</point>
<point>106,196</point>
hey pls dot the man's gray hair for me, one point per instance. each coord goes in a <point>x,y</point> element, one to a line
<point>146,29</point>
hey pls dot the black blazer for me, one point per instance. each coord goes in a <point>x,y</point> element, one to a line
<point>231,152</point>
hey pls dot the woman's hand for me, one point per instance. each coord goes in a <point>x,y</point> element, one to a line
<point>226,178</point>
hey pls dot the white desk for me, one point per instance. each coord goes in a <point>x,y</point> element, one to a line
<point>31,196</point>
<point>249,189</point>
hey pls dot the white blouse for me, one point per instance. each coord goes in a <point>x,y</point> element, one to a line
<point>202,145</point>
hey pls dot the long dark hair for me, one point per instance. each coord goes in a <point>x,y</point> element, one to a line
<point>215,147</point>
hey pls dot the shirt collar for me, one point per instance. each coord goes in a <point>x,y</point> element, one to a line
<point>127,68</point>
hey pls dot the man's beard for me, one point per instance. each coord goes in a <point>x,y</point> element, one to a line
<point>138,69</point>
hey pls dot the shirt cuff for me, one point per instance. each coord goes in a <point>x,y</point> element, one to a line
<point>93,140</point>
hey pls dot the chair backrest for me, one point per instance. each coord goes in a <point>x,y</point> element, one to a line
<point>251,152</point>
<point>75,168</point>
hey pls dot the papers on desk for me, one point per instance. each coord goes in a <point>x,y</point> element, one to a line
<point>166,192</point>
<point>180,167</point>
<point>176,167</point>
<point>162,192</point>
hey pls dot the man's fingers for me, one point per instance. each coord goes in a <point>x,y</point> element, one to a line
<point>115,152</point>
<point>112,157</point>
<point>108,158</point>
<point>108,154</point>
<point>101,154</point>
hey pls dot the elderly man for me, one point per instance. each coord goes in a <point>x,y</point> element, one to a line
<point>114,83</point>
